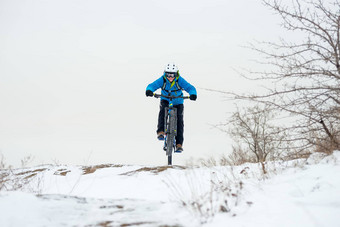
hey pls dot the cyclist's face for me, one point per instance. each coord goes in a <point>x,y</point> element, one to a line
<point>171,78</point>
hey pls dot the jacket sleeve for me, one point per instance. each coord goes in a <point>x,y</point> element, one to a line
<point>186,86</point>
<point>156,84</point>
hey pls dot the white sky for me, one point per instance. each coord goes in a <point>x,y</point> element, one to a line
<point>73,75</point>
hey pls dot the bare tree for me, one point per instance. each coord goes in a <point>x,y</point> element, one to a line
<point>256,135</point>
<point>305,74</point>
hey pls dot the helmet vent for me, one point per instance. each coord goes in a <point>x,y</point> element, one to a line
<point>171,67</point>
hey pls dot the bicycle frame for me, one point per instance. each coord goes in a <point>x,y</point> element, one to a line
<point>170,126</point>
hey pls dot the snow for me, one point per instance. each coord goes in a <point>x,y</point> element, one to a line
<point>296,193</point>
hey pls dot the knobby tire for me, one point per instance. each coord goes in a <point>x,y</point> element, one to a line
<point>169,145</point>
<point>171,136</point>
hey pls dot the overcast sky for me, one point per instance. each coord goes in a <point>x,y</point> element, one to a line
<point>73,75</point>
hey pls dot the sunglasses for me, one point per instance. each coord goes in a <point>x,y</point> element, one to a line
<point>170,75</point>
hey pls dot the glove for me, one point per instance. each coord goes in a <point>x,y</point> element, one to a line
<point>149,93</point>
<point>193,97</point>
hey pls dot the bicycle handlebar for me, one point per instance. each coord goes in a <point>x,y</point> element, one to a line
<point>170,97</point>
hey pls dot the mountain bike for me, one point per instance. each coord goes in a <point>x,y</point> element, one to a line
<point>170,125</point>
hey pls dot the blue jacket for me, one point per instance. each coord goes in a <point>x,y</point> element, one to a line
<point>172,88</point>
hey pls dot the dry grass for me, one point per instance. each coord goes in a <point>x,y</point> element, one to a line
<point>136,223</point>
<point>235,158</point>
<point>110,223</point>
<point>3,180</point>
<point>205,193</point>
<point>154,170</point>
<point>62,172</point>
<point>31,172</point>
<point>92,169</point>
<point>12,180</point>
<point>2,161</point>
<point>326,147</point>
<point>105,223</point>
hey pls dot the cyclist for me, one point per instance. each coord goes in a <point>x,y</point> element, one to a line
<point>171,84</point>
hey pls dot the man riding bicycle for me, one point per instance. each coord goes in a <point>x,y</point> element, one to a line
<point>171,84</point>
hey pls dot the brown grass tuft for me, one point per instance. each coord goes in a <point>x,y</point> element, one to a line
<point>153,170</point>
<point>92,169</point>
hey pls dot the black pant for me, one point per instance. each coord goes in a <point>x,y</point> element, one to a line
<point>180,122</point>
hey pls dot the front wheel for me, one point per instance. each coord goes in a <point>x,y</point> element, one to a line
<point>171,131</point>
<point>170,160</point>
<point>169,146</point>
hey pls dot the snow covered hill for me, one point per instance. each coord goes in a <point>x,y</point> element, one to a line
<point>297,193</point>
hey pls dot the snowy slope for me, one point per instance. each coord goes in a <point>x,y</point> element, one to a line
<point>298,193</point>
